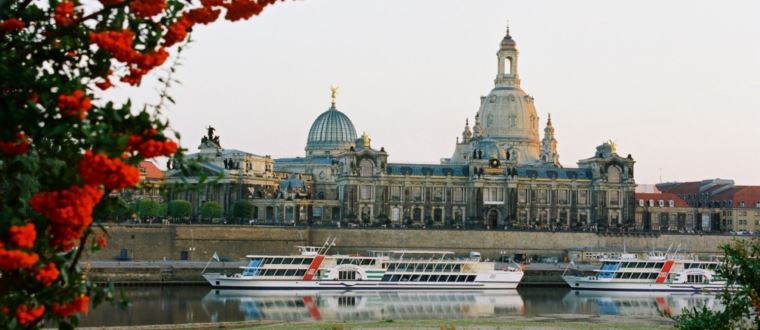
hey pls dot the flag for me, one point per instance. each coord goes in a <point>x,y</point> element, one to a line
<point>215,257</point>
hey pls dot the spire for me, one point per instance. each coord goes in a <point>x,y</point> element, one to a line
<point>466,134</point>
<point>506,75</point>
<point>549,154</point>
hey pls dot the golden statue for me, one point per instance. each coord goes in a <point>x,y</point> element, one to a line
<point>333,93</point>
<point>613,146</point>
<point>365,139</point>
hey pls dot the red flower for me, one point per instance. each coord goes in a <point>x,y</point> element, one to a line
<point>26,315</point>
<point>147,8</point>
<point>78,305</point>
<point>18,147</point>
<point>23,236</point>
<point>64,13</point>
<point>245,9</point>
<point>148,147</point>
<point>16,259</point>
<point>118,43</point>
<point>47,274</point>
<point>75,104</point>
<point>151,60</point>
<point>177,31</point>
<point>69,212</point>
<point>11,24</point>
<point>111,2</point>
<point>203,15</point>
<point>113,174</point>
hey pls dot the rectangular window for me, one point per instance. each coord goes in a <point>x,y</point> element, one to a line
<point>614,198</point>
<point>437,194</point>
<point>493,196</point>
<point>522,196</point>
<point>417,194</point>
<point>458,195</point>
<point>562,197</point>
<point>542,195</point>
<point>365,192</point>
<point>395,214</point>
<point>583,197</point>
<point>396,193</point>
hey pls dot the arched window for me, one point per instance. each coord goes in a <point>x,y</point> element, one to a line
<point>365,167</point>
<point>507,65</point>
<point>613,174</point>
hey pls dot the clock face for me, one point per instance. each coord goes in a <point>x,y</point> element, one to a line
<point>494,163</point>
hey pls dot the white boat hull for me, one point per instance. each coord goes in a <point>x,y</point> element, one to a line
<point>583,283</point>
<point>505,281</point>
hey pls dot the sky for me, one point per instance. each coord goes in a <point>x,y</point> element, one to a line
<point>676,84</point>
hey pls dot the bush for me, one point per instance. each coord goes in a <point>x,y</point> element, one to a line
<point>741,270</point>
<point>211,210</point>
<point>179,209</point>
<point>148,208</point>
<point>242,209</point>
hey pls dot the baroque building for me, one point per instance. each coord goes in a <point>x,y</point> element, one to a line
<point>502,174</point>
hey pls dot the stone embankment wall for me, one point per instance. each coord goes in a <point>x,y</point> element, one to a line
<point>199,243</point>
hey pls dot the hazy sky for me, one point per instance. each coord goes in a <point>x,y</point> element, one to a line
<point>674,83</point>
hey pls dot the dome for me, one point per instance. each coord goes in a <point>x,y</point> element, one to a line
<point>331,130</point>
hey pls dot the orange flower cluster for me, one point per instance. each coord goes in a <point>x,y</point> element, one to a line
<point>149,148</point>
<point>245,9</point>
<point>18,147</point>
<point>78,305</point>
<point>16,259</point>
<point>64,13</point>
<point>113,174</point>
<point>69,212</point>
<point>27,315</point>
<point>147,8</point>
<point>47,274</point>
<point>75,104</point>
<point>23,236</point>
<point>119,44</point>
<point>11,24</point>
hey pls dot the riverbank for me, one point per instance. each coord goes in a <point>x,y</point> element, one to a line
<point>127,273</point>
<point>549,322</point>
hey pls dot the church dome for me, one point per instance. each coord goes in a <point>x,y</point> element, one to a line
<point>331,130</point>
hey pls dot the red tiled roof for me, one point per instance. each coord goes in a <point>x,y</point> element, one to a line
<point>750,195</point>
<point>150,171</point>
<point>677,201</point>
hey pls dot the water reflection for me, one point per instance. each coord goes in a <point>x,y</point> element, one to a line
<point>163,305</point>
<point>370,305</point>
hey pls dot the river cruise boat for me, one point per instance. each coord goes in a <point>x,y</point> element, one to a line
<point>381,269</point>
<point>654,273</point>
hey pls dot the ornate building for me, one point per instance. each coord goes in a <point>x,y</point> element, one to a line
<point>501,174</point>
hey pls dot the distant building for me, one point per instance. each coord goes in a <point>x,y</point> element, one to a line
<point>739,207</point>
<point>666,212</point>
<point>151,181</point>
<point>502,174</point>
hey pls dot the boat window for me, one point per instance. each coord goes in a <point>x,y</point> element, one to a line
<point>301,272</point>
<point>414,278</point>
<point>627,275</point>
<point>458,268</point>
<point>267,261</point>
<point>442,278</point>
<point>404,278</point>
<point>424,278</point>
<point>290,272</point>
<point>277,261</point>
<point>618,275</point>
<point>279,272</point>
<point>386,278</point>
<point>268,272</point>
<point>659,265</point>
<point>471,278</point>
<point>439,267</point>
<point>395,278</point>
<point>434,278</point>
<point>366,262</point>
<point>653,276</point>
<point>306,261</point>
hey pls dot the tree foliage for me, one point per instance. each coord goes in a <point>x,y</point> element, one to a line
<point>63,148</point>
<point>741,300</point>
<point>148,208</point>
<point>242,209</point>
<point>179,209</point>
<point>211,210</point>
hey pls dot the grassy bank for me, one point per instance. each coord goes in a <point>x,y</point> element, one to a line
<point>563,321</point>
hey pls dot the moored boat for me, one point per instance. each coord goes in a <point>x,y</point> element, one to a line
<point>654,273</point>
<point>313,269</point>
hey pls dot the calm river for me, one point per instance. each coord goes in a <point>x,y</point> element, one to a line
<point>193,304</point>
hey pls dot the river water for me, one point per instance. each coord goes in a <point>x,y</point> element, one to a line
<point>194,304</point>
